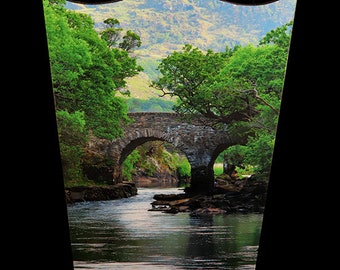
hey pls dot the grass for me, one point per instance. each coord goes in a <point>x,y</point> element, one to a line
<point>218,169</point>
<point>248,170</point>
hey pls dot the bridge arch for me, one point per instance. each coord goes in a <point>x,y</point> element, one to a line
<point>197,140</point>
<point>198,147</point>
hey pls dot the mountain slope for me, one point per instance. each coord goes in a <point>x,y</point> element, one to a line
<point>165,26</point>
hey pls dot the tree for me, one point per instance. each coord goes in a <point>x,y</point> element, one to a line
<point>72,138</point>
<point>86,74</point>
<point>112,34</point>
<point>280,36</point>
<point>187,75</point>
<point>240,88</point>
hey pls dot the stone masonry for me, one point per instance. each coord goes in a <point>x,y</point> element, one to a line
<point>197,139</point>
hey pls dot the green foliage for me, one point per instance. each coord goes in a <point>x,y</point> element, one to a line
<point>184,74</point>
<point>245,171</point>
<point>240,89</point>
<point>153,157</point>
<point>279,36</point>
<point>181,165</point>
<point>129,164</point>
<point>72,137</point>
<point>112,35</point>
<point>235,155</point>
<point>86,75</point>
<point>259,152</point>
<point>184,169</point>
<point>254,157</point>
<point>150,105</point>
<point>86,72</point>
<point>218,169</point>
<point>166,25</point>
<point>130,41</point>
<point>151,154</point>
<point>150,67</point>
<point>139,87</point>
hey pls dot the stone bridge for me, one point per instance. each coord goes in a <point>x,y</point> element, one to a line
<point>197,140</point>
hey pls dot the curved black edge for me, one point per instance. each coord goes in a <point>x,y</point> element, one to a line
<point>236,2</point>
<point>297,229</point>
<point>36,227</point>
<point>297,218</point>
<point>94,2</point>
<point>250,2</point>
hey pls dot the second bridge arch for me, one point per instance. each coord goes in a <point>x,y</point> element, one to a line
<point>198,141</point>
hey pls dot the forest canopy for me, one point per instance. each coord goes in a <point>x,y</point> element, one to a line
<point>240,88</point>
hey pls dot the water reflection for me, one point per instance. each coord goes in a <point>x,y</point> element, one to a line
<point>123,234</point>
<point>201,241</point>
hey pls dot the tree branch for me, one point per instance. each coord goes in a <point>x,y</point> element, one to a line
<point>264,101</point>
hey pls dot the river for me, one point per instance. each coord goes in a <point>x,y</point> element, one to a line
<point>123,234</point>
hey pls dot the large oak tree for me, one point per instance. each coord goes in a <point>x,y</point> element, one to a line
<point>86,74</point>
<point>240,88</point>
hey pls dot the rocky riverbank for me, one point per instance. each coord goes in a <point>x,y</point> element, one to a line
<point>100,193</point>
<point>243,196</point>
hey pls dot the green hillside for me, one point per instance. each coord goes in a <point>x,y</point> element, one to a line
<point>139,87</point>
<point>165,26</point>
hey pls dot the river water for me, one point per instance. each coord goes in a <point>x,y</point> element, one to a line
<point>123,234</point>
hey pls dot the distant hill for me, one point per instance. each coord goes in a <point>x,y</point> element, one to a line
<point>165,26</point>
<point>139,87</point>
